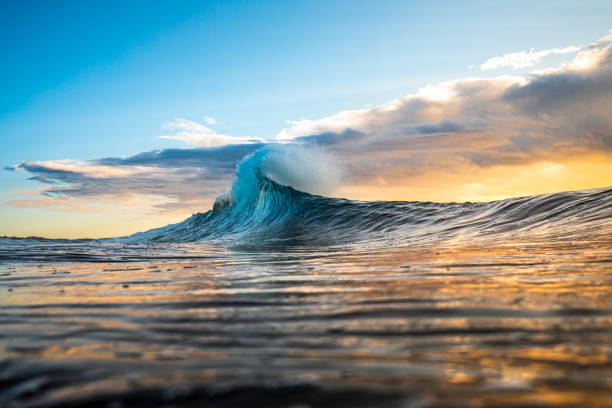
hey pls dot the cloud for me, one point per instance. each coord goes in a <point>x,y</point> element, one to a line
<point>174,180</point>
<point>331,138</point>
<point>476,122</point>
<point>427,140</point>
<point>524,59</point>
<point>209,120</point>
<point>218,158</point>
<point>199,135</point>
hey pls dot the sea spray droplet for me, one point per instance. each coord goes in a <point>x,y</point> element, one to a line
<point>305,168</point>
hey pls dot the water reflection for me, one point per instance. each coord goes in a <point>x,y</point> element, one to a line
<point>472,325</point>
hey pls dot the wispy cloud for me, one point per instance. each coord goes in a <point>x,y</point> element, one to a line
<point>199,135</point>
<point>524,59</point>
<point>209,120</point>
<point>172,180</point>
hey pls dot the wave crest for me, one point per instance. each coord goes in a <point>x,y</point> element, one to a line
<point>304,168</point>
<point>272,201</point>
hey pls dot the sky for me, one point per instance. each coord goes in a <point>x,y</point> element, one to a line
<point>116,117</point>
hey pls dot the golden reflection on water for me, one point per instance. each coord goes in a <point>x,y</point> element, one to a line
<point>494,325</point>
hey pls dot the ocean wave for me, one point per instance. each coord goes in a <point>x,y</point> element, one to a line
<point>276,198</point>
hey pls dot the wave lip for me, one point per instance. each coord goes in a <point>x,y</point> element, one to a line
<point>263,208</point>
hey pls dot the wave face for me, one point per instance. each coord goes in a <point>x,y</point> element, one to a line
<point>268,205</point>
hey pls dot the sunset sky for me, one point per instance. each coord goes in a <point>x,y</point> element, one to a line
<point>117,117</point>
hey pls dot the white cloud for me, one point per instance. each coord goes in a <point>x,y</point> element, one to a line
<point>436,93</point>
<point>524,59</point>
<point>199,135</point>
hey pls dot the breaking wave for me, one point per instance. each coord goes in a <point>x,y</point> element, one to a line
<point>278,197</point>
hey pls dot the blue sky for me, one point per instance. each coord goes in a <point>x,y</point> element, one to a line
<point>91,79</point>
<point>86,79</point>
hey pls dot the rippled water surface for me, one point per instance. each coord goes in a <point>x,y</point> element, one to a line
<point>501,323</point>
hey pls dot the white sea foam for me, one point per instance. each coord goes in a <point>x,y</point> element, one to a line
<point>305,168</point>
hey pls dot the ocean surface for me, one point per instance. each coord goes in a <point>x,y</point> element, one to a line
<point>281,298</point>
